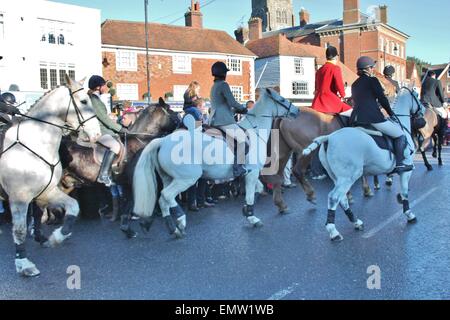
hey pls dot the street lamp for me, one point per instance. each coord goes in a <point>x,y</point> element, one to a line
<point>395,52</point>
<point>146,52</point>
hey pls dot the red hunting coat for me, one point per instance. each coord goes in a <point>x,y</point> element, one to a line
<point>328,84</point>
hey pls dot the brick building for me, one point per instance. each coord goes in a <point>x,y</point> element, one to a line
<point>275,14</point>
<point>354,34</point>
<point>178,55</point>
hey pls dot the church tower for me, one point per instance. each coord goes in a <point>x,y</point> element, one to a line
<point>275,14</point>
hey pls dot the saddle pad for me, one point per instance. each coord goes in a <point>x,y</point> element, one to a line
<point>383,141</point>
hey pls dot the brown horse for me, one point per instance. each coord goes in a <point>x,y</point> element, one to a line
<point>295,135</point>
<point>434,129</point>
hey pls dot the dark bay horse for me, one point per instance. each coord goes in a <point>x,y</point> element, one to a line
<point>81,168</point>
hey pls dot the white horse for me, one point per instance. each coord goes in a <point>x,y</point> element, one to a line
<point>30,164</point>
<point>350,153</point>
<point>185,156</point>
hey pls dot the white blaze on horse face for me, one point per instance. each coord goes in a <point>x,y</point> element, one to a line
<point>91,125</point>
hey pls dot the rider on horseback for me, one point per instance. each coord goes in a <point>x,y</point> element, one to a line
<point>328,84</point>
<point>367,93</point>
<point>7,107</point>
<point>388,75</point>
<point>433,95</point>
<point>223,107</point>
<point>108,127</point>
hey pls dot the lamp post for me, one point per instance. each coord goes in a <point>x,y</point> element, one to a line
<point>146,52</point>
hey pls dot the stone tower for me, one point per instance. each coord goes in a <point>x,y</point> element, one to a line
<point>275,14</point>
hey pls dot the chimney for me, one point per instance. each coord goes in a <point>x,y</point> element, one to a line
<point>304,17</point>
<point>383,14</point>
<point>255,28</point>
<point>194,17</point>
<point>351,12</point>
<point>242,35</point>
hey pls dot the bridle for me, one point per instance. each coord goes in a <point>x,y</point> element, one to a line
<point>411,116</point>
<point>66,126</point>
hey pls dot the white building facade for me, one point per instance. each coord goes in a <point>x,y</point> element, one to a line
<point>41,40</point>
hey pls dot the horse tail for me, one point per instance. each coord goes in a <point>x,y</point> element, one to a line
<point>316,144</point>
<point>144,180</point>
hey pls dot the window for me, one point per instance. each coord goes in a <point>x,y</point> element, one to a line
<point>178,92</point>
<point>181,64</point>
<point>448,87</point>
<point>382,44</point>
<point>53,78</point>
<point>72,74</point>
<point>127,91</point>
<point>44,79</point>
<point>235,65</point>
<point>62,76</point>
<point>126,60</point>
<point>61,39</point>
<point>237,93</point>
<point>278,16</point>
<point>299,68</point>
<point>300,88</point>
<point>448,73</point>
<point>284,17</point>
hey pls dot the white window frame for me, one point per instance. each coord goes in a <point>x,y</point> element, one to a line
<point>182,64</point>
<point>299,66</point>
<point>122,55</point>
<point>448,73</point>
<point>448,87</point>
<point>131,95</point>
<point>178,92</point>
<point>302,93</point>
<point>238,93</point>
<point>382,44</point>
<point>235,66</point>
<point>47,66</point>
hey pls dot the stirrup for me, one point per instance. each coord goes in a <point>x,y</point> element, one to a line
<point>240,171</point>
<point>403,168</point>
<point>106,180</point>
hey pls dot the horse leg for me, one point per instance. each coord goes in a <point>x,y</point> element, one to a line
<point>335,197</point>
<point>435,143</point>
<point>277,181</point>
<point>389,180</point>
<point>37,217</point>
<point>440,143</point>
<point>359,225</point>
<point>425,160</point>
<point>402,197</point>
<point>24,266</point>
<point>366,188</point>
<point>59,200</point>
<point>125,213</point>
<point>376,183</point>
<point>299,171</point>
<point>169,205</point>
<point>251,180</point>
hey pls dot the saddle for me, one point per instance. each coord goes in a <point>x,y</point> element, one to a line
<point>102,145</point>
<point>383,141</point>
<point>343,121</point>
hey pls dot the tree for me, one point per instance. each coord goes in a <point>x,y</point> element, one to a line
<point>420,64</point>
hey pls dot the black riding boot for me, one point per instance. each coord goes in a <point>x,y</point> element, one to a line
<point>105,169</point>
<point>400,145</point>
<point>239,161</point>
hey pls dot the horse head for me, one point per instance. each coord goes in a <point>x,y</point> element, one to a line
<point>80,113</point>
<point>277,106</point>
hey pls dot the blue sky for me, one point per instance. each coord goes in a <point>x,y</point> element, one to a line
<point>426,21</point>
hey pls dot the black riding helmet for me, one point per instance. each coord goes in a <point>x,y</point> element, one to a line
<point>8,98</point>
<point>96,81</point>
<point>219,69</point>
<point>331,52</point>
<point>388,71</point>
<point>365,62</point>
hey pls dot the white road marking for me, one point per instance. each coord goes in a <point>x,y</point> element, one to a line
<point>283,293</point>
<point>397,215</point>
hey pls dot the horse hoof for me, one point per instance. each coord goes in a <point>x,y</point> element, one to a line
<point>284,212</point>
<point>337,238</point>
<point>258,224</point>
<point>129,233</point>
<point>369,194</point>
<point>178,233</point>
<point>312,200</point>
<point>377,186</point>
<point>26,268</point>
<point>441,163</point>
<point>434,155</point>
<point>359,225</point>
<point>412,221</point>
<point>430,168</point>
<point>389,183</point>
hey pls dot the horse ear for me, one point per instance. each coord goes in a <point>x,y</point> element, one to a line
<point>69,81</point>
<point>82,81</point>
<point>161,102</point>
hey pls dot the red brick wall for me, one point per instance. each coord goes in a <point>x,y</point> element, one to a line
<point>162,79</point>
<point>311,39</point>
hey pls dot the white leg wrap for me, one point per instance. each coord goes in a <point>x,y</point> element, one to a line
<point>333,232</point>
<point>26,268</point>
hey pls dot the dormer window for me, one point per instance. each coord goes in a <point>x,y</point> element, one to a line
<point>61,39</point>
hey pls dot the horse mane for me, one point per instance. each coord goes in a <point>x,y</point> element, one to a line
<point>47,93</point>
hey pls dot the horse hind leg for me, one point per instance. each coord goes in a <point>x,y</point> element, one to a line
<point>335,197</point>
<point>359,225</point>
<point>299,172</point>
<point>366,188</point>
<point>24,266</point>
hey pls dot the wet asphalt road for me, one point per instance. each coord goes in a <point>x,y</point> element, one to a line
<point>291,257</point>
